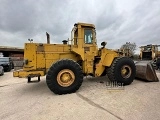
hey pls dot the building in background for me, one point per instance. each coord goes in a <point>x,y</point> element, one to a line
<point>15,53</point>
<point>11,51</point>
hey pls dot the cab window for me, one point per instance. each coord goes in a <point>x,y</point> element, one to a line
<point>88,36</point>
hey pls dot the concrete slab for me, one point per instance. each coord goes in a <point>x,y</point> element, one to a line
<point>20,100</point>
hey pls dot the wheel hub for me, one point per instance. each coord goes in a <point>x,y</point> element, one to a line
<point>126,71</point>
<point>65,77</point>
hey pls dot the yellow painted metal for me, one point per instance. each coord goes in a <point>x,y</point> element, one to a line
<point>99,69</point>
<point>107,56</point>
<point>108,59</point>
<point>30,55</point>
<point>90,51</point>
<point>41,56</point>
<point>126,71</point>
<point>80,49</point>
<point>149,52</point>
<point>23,74</point>
<point>40,61</point>
<point>65,78</point>
<point>86,24</point>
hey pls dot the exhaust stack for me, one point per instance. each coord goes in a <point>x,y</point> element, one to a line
<point>48,38</point>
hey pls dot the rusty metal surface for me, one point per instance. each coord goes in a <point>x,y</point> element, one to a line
<point>146,71</point>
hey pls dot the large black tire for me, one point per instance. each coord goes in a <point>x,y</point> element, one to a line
<point>114,72</point>
<point>51,77</point>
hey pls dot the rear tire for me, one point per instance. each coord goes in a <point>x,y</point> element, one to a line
<point>122,70</point>
<point>54,77</point>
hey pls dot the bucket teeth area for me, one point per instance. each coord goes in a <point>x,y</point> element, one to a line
<point>146,71</point>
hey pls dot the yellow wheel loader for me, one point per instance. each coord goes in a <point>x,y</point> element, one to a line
<point>145,68</point>
<point>65,64</point>
<point>149,52</point>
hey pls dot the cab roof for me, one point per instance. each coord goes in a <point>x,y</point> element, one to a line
<point>85,24</point>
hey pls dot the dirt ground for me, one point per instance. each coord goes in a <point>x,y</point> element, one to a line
<point>94,100</point>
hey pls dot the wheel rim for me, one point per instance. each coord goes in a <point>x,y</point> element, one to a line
<point>126,71</point>
<point>65,77</point>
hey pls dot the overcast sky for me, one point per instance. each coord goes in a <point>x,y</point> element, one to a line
<point>116,21</point>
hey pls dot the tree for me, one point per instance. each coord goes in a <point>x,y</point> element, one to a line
<point>128,49</point>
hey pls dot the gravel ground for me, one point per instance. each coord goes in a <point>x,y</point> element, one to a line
<point>94,100</point>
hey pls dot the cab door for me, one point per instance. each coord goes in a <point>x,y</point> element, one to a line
<point>89,50</point>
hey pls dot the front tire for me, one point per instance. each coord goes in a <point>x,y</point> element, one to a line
<point>122,70</point>
<point>64,76</point>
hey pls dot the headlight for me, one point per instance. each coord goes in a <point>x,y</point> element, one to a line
<point>25,62</point>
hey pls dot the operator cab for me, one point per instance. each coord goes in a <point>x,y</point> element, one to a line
<point>83,31</point>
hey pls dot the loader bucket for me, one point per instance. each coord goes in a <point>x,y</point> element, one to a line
<point>146,71</point>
